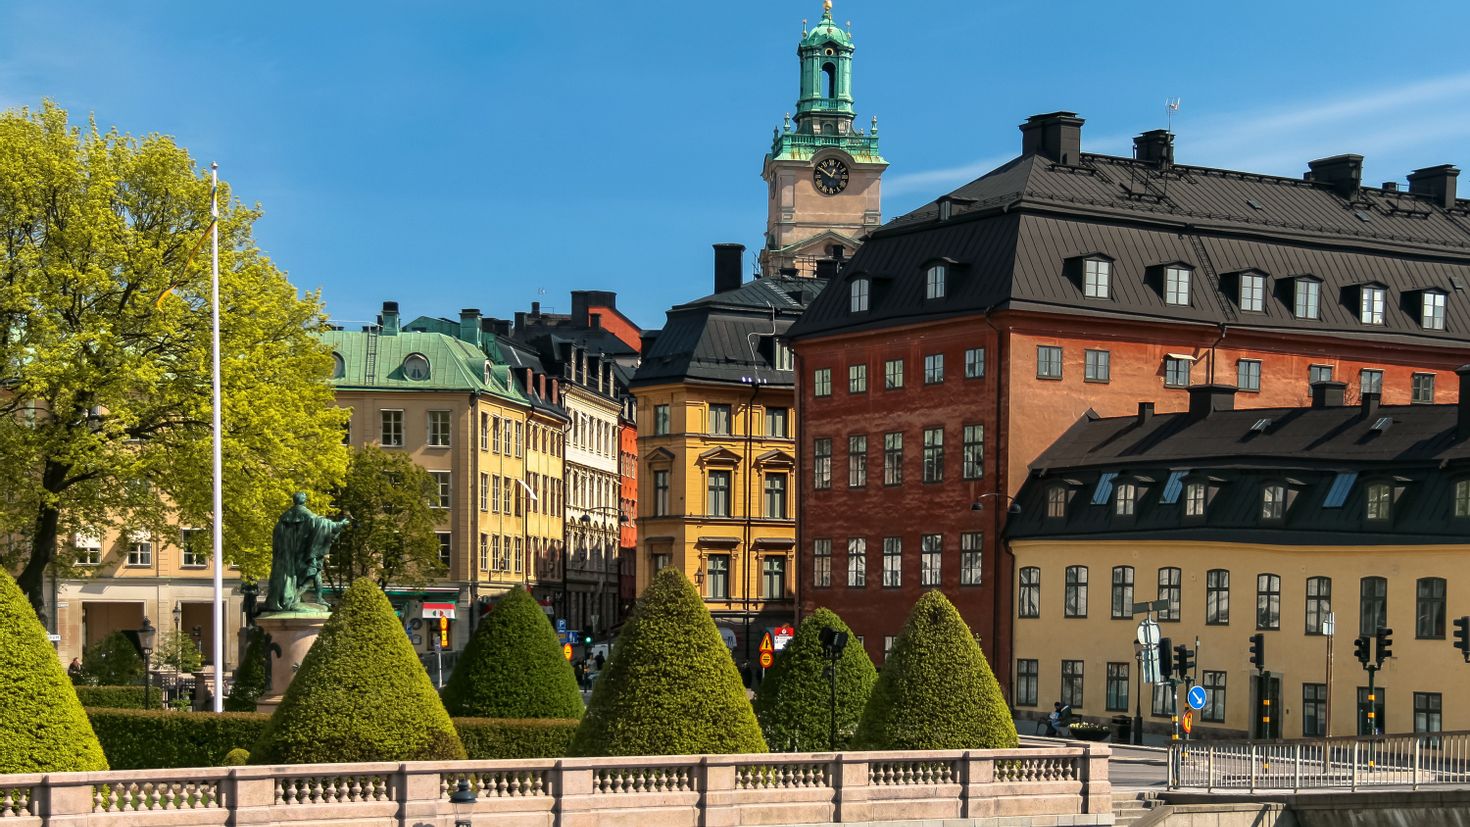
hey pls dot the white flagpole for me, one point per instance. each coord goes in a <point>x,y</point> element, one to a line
<point>219,533</point>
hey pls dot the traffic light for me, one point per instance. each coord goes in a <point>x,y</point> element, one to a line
<point>1385,640</point>
<point>1462,636</point>
<point>1183,660</point>
<point>1360,649</point>
<point>1166,659</point>
<point>1258,650</point>
<point>587,639</point>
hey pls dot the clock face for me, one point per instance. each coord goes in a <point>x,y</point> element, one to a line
<point>830,176</point>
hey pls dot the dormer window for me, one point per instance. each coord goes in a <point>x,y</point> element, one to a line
<point>1194,499</point>
<point>1056,501</point>
<point>1431,310</point>
<point>934,280</point>
<point>1273,501</point>
<point>1379,502</point>
<point>859,295</point>
<point>946,209</point>
<point>339,366</point>
<point>1176,285</point>
<point>1308,299</point>
<point>1253,292</point>
<point>1371,301</point>
<point>1125,499</point>
<point>1462,498</point>
<point>783,356</point>
<point>416,367</point>
<point>1097,275</point>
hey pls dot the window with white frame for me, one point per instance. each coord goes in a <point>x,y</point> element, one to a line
<point>1371,302</point>
<point>1273,501</point>
<point>438,429</point>
<point>194,548</point>
<point>892,562</point>
<point>1431,310</point>
<point>140,548</point>
<point>859,295</point>
<point>1194,499</point>
<point>857,563</point>
<point>931,550</point>
<point>1096,275</point>
<point>1422,389</point>
<point>89,548</point>
<point>1252,292</point>
<point>1370,380</point>
<point>857,378</point>
<point>391,433</point>
<point>822,382</point>
<point>1307,302</point>
<point>974,452</point>
<point>446,547</point>
<point>1176,285</point>
<point>1379,501</point>
<point>934,282</point>
<point>783,356</point>
<point>442,492</point>
<point>971,558</point>
<point>822,563</point>
<point>1125,499</point>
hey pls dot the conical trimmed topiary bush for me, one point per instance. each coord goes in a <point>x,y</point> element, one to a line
<point>360,695</point>
<point>670,687</point>
<point>936,690</point>
<point>513,667</point>
<point>42,725</point>
<point>794,702</point>
<point>248,682</point>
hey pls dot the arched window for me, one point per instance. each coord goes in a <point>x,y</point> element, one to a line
<point>1122,593</point>
<point>1217,597</point>
<point>1075,603</point>
<point>1319,603</point>
<point>829,80</point>
<point>1429,609</point>
<point>1268,601</point>
<point>1372,605</point>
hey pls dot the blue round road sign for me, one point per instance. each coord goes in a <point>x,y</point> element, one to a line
<point>1197,697</point>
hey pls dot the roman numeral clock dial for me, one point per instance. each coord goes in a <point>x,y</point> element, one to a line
<point>830,176</point>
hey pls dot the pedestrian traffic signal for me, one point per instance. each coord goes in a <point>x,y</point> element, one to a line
<point>1183,660</point>
<point>1385,640</point>
<point>1462,636</point>
<point>1360,649</point>
<point>1166,659</point>
<point>587,639</point>
<point>1258,650</point>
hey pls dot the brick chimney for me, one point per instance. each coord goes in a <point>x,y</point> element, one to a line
<point>727,266</point>
<point>1155,147</point>
<point>1145,412</point>
<point>1055,135</point>
<point>1206,399</point>
<point>1343,174</point>
<point>1370,403</point>
<point>1329,394</point>
<point>1437,184</point>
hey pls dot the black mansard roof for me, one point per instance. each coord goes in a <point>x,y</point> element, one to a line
<point>1014,239</point>
<point>1324,458</point>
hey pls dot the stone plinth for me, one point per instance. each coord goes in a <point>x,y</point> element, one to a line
<point>291,635</point>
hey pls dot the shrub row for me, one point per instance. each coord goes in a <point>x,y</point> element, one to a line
<point>161,739</point>
<point>114,697</point>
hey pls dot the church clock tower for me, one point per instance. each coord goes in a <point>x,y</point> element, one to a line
<point>822,175</point>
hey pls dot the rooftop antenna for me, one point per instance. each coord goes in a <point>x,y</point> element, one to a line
<point>1171,107</point>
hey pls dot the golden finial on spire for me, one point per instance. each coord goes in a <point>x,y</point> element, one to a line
<point>827,6</point>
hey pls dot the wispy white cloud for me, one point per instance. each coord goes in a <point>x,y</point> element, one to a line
<point>940,179</point>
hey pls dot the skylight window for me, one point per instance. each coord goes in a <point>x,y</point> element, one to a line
<point>1261,425</point>
<point>1341,485</point>
<point>1382,424</point>
<point>1362,216</point>
<point>1104,490</point>
<point>1173,487</point>
<point>1254,204</point>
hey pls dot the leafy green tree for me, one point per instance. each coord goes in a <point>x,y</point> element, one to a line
<point>42,725</point>
<point>670,687</point>
<point>513,667</point>
<point>360,695</point>
<point>179,650</point>
<point>936,690</point>
<point>391,538</point>
<point>248,683</point>
<point>105,350</point>
<point>112,661</point>
<point>794,702</point>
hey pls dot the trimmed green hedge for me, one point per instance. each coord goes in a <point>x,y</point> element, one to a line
<point>114,697</point>
<point>513,667</point>
<point>491,738</point>
<point>42,726</point>
<point>248,682</point>
<point>145,739</point>
<point>794,702</point>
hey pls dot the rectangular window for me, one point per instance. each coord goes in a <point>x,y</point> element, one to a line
<point>1268,601</point>
<point>934,282</point>
<point>1072,683</point>
<point>1159,704</point>
<point>484,432</point>
<point>857,378</point>
<point>1214,684</point>
<point>1252,292</point>
<point>857,563</point>
<point>1319,373</point>
<point>858,296</point>
<point>1122,601</point>
<point>783,356</point>
<point>446,547</point>
<point>520,439</point>
<point>822,382</point>
<point>1056,502</point>
<point>660,420</point>
<point>892,562</point>
<point>1370,381</point>
<point>822,463</point>
<point>495,434</point>
<point>140,549</point>
<point>1074,602</point>
<point>438,429</point>
<point>1308,302</point>
<point>484,552</point>
<point>1028,597</point>
<point>718,504</point>
<point>1423,389</point>
<point>933,454</point>
<point>776,422</point>
<point>1125,499</point>
<point>975,363</point>
<point>660,493</point>
<point>822,564</point>
<point>1462,498</point>
<point>776,496</point>
<point>506,445</point>
<point>1314,710</point>
<point>1176,286</point>
<point>1176,372</point>
<point>893,459</point>
<point>1319,603</point>
<point>893,374</point>
<point>1194,499</point>
<point>773,577</point>
<point>1096,274</point>
<point>1429,608</point>
<point>971,571</point>
<point>1217,597</point>
<point>661,561</point>
<point>1097,365</point>
<point>1169,590</point>
<point>1117,687</point>
<point>391,434</point>
<point>484,492</point>
<point>974,452</point>
<point>1248,375</point>
<point>196,547</point>
<point>1026,680</point>
<point>717,577</point>
<point>89,548</point>
<point>719,420</point>
<point>888,641</point>
<point>931,548</point>
<point>442,491</point>
<point>1431,311</point>
<point>857,461</point>
<point>934,368</point>
<point>1428,707</point>
<point>1273,502</point>
<point>495,494</point>
<point>1379,500</point>
<point>1048,362</point>
<point>1372,605</point>
<point>1370,305</point>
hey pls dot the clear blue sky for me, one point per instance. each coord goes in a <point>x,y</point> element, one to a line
<point>455,154</point>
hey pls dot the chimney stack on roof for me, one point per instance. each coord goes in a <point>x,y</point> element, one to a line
<point>1342,173</point>
<point>388,320</point>
<point>1055,135</point>
<point>1329,394</point>
<point>827,268</point>
<point>596,320</point>
<point>727,266</point>
<point>1370,403</point>
<point>1206,399</point>
<point>1435,183</point>
<point>469,325</point>
<point>535,308</point>
<point>1155,147</point>
<point>1145,412</point>
<point>1462,429</point>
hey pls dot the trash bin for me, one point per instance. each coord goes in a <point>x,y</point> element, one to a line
<point>1122,729</point>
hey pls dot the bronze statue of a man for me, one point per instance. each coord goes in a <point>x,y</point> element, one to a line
<point>299,543</point>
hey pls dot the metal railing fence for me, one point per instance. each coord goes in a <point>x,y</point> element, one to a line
<point>1345,762</point>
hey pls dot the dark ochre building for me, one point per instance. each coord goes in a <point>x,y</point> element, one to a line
<point>964,337</point>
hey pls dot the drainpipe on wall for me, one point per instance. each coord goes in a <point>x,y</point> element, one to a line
<point>1004,563</point>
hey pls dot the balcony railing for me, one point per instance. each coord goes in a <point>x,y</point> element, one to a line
<point>1344,762</point>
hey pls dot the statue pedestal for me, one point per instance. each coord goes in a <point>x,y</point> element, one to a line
<point>293,633</point>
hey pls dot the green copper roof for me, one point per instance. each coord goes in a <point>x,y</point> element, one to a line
<point>827,31</point>
<point>414,361</point>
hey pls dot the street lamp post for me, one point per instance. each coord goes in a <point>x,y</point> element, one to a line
<point>833,643</point>
<point>145,642</point>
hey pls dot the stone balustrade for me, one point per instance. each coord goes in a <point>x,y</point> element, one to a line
<point>1055,785</point>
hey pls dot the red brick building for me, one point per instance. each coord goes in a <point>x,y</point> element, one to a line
<point>965,337</point>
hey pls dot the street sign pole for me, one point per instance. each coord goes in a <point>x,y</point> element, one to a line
<point>1148,658</point>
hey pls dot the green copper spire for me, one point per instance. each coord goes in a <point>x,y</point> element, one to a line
<point>824,111</point>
